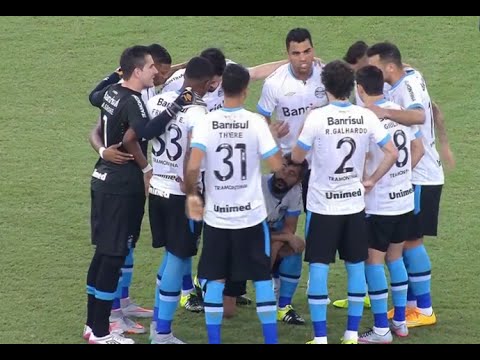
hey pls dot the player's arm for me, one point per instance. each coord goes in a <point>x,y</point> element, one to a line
<point>408,117</point>
<point>305,140</point>
<point>417,148</point>
<point>445,151</point>
<point>390,156</point>
<point>268,101</point>
<point>175,68</point>
<point>261,72</point>
<point>268,146</point>
<point>96,96</point>
<point>111,153</point>
<point>194,206</point>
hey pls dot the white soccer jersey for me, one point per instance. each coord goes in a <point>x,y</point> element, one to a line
<point>339,135</point>
<point>411,92</point>
<point>358,100</point>
<point>168,150</point>
<point>393,193</point>
<point>214,99</point>
<point>234,142</point>
<point>291,99</point>
<point>290,204</point>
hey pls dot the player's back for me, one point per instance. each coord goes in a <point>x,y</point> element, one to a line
<point>340,134</point>
<point>168,150</point>
<point>234,150</point>
<point>393,193</point>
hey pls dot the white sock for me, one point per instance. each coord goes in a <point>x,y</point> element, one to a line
<point>412,304</point>
<point>320,340</point>
<point>350,335</point>
<point>381,331</point>
<point>187,292</point>
<point>426,311</point>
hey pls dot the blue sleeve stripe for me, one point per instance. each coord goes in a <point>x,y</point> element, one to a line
<point>270,153</point>
<point>418,134</point>
<point>293,213</point>
<point>263,111</point>
<point>415,106</point>
<point>303,146</point>
<point>199,146</point>
<point>385,140</point>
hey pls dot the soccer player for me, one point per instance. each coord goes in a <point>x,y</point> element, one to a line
<point>283,198</point>
<point>168,222</point>
<point>389,209</point>
<point>119,319</point>
<point>215,96</point>
<point>117,191</point>
<point>293,90</point>
<point>339,135</point>
<point>409,90</point>
<point>236,240</point>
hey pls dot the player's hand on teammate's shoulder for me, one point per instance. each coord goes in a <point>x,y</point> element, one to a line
<point>116,156</point>
<point>194,207</point>
<point>379,111</point>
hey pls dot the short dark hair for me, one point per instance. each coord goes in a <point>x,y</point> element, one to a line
<point>199,69</point>
<point>217,58</point>
<point>159,54</point>
<point>303,166</point>
<point>387,52</point>
<point>371,79</point>
<point>235,79</point>
<point>298,35</point>
<point>338,79</point>
<point>355,52</point>
<point>133,58</point>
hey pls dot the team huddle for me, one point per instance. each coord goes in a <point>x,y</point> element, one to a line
<point>367,175</point>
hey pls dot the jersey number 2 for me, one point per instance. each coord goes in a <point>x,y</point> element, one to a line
<point>342,169</point>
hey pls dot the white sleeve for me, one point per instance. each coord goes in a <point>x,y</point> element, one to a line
<point>416,132</point>
<point>411,95</point>
<point>200,136</point>
<point>295,203</point>
<point>309,132</point>
<point>268,100</point>
<point>194,116</point>
<point>266,143</point>
<point>174,83</point>
<point>378,133</point>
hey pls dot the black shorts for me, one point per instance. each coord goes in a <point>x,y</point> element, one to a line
<point>116,221</point>
<point>235,254</point>
<point>328,233</point>
<point>235,288</point>
<point>305,181</point>
<point>427,205</point>
<point>385,230</point>
<point>170,226</point>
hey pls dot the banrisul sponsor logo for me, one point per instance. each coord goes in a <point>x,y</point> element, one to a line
<point>295,112</point>
<point>345,121</point>
<point>229,125</point>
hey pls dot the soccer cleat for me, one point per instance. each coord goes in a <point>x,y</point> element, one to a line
<point>343,303</point>
<point>112,338</point>
<point>416,318</point>
<point>391,312</point>
<point>244,300</point>
<point>153,330</point>
<point>399,330</point>
<point>371,337</point>
<point>349,342</point>
<point>314,342</point>
<point>192,303</point>
<point>135,310</point>
<point>87,330</point>
<point>123,324</point>
<point>166,339</point>
<point>198,287</point>
<point>288,315</point>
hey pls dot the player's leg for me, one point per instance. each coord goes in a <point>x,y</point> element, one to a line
<point>213,269</point>
<point>181,244</point>
<point>322,236</point>
<point>190,299</point>
<point>111,232</point>
<point>251,261</point>
<point>353,249</point>
<point>417,259</point>
<point>233,290</point>
<point>290,270</point>
<point>380,230</point>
